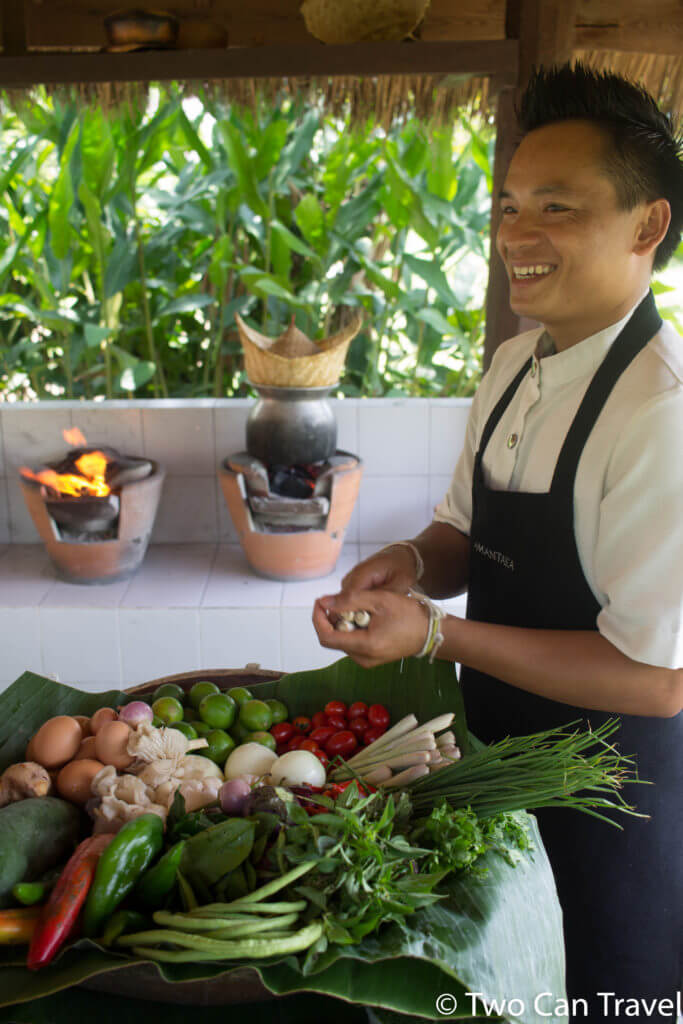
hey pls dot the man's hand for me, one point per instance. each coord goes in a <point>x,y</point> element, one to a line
<point>393,569</point>
<point>398,625</point>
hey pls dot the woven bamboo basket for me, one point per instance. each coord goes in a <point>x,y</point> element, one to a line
<point>356,21</point>
<point>294,361</point>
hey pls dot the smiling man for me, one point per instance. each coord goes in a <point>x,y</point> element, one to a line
<point>564,519</point>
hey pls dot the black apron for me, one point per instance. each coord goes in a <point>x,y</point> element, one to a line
<point>621,892</point>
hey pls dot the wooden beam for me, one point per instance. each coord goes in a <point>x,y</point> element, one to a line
<point>659,40</point>
<point>13,14</point>
<point>545,30</point>
<point>471,59</point>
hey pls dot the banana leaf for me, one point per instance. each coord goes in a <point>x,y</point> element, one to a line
<point>499,935</point>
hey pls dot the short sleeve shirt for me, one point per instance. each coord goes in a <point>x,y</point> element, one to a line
<point>628,495</point>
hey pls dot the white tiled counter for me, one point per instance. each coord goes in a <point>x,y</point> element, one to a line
<point>194,603</point>
<point>190,606</point>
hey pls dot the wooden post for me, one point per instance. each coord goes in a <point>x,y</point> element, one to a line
<point>13,27</point>
<point>545,30</point>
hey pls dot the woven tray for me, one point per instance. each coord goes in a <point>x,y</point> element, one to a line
<point>292,359</point>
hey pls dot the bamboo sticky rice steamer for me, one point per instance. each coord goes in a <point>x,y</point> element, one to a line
<point>294,360</point>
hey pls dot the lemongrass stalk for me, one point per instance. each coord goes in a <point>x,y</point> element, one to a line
<point>445,739</point>
<point>405,725</point>
<point>418,771</point>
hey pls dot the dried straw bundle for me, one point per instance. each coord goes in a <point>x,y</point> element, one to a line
<point>292,359</point>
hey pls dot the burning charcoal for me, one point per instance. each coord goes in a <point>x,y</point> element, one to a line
<point>291,481</point>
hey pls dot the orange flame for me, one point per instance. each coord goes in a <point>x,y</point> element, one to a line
<point>93,466</point>
<point>72,435</point>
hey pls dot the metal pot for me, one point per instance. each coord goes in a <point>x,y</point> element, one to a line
<point>291,426</point>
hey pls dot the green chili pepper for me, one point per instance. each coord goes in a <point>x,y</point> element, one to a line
<point>157,883</point>
<point>120,922</point>
<point>119,868</point>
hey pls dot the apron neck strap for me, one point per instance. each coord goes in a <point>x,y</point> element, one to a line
<point>634,336</point>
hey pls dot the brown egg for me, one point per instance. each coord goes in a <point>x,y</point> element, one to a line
<point>75,779</point>
<point>100,718</point>
<point>86,749</point>
<point>30,754</point>
<point>84,723</point>
<point>110,744</point>
<point>57,741</point>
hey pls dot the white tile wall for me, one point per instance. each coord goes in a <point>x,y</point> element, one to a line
<point>405,445</point>
<point>195,603</point>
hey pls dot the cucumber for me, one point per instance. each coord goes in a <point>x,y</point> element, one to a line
<point>35,834</point>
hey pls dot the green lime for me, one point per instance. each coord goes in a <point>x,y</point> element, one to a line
<point>220,745</point>
<point>201,728</point>
<point>262,737</point>
<point>256,716</point>
<point>169,690</point>
<point>201,690</point>
<point>157,722</point>
<point>185,728</point>
<point>240,733</point>
<point>218,710</point>
<point>240,695</point>
<point>278,710</point>
<point>168,709</point>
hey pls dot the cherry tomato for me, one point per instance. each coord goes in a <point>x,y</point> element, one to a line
<point>335,707</point>
<point>318,719</point>
<point>372,734</point>
<point>378,716</point>
<point>357,709</point>
<point>342,744</point>
<point>358,726</point>
<point>302,724</point>
<point>309,744</point>
<point>322,757</point>
<point>295,742</point>
<point>322,734</point>
<point>338,722</point>
<point>282,732</point>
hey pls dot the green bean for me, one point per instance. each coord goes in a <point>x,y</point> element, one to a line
<point>196,947</point>
<point>278,883</point>
<point>245,926</point>
<point>255,926</point>
<point>240,909</point>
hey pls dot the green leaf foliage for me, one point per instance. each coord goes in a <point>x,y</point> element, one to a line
<point>156,222</point>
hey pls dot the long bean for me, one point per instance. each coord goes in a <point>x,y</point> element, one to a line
<point>238,908</point>
<point>256,926</point>
<point>245,924</point>
<point>197,947</point>
<point>272,887</point>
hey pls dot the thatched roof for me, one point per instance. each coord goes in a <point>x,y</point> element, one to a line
<point>459,54</point>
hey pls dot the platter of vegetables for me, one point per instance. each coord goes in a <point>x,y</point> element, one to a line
<point>335,831</point>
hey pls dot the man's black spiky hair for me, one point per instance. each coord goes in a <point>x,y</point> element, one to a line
<point>645,160</point>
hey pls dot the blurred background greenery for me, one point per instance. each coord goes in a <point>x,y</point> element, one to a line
<point>131,238</point>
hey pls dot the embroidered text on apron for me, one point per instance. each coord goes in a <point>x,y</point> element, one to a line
<point>621,891</point>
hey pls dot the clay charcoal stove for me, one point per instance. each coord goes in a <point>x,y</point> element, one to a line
<point>94,509</point>
<point>291,494</point>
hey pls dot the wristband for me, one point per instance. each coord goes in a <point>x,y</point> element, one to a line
<point>434,637</point>
<point>419,564</point>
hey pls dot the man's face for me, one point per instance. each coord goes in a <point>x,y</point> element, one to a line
<point>566,244</point>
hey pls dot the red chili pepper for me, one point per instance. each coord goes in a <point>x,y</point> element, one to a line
<point>337,788</point>
<point>59,915</point>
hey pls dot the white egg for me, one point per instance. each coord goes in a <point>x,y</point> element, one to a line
<point>296,768</point>
<point>249,759</point>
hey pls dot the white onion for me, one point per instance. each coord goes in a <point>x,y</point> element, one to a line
<point>135,713</point>
<point>249,759</point>
<point>298,768</point>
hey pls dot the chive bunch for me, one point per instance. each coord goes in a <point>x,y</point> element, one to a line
<point>555,768</point>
